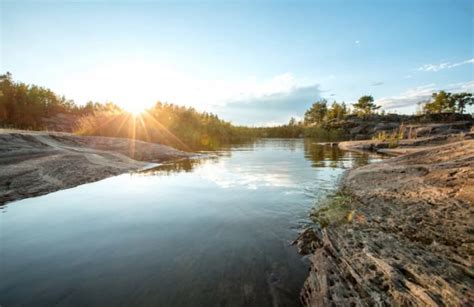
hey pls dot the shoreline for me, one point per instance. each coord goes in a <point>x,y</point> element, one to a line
<point>399,232</point>
<point>404,146</point>
<point>35,163</point>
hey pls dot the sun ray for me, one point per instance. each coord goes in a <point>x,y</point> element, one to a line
<point>125,119</point>
<point>145,129</point>
<point>132,133</point>
<point>105,123</point>
<point>163,128</point>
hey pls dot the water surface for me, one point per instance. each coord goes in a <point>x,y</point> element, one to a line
<point>205,232</point>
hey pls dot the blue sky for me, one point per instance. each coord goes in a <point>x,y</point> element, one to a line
<point>250,62</point>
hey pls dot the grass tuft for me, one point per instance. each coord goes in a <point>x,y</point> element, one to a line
<point>335,210</point>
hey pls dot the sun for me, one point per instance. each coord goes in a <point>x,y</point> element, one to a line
<point>135,110</point>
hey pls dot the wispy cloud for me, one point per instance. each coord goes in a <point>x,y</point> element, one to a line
<point>446,65</point>
<point>357,42</point>
<point>460,87</point>
<point>377,83</point>
<point>423,93</point>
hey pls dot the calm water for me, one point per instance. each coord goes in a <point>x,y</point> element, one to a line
<point>204,232</point>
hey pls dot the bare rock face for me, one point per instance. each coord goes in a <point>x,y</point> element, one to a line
<point>37,163</point>
<point>412,126</point>
<point>410,239</point>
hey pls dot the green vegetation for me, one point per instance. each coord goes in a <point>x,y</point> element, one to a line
<point>177,126</point>
<point>291,130</point>
<point>319,114</point>
<point>319,118</point>
<point>335,210</point>
<point>365,106</point>
<point>24,106</point>
<point>325,135</point>
<point>393,139</point>
<point>444,102</point>
<point>296,129</point>
<point>316,115</point>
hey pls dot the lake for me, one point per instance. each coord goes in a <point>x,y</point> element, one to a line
<point>204,232</point>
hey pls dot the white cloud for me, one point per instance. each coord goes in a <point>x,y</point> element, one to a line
<point>136,84</point>
<point>270,108</point>
<point>253,89</point>
<point>423,93</point>
<point>446,65</point>
<point>357,42</point>
<point>409,98</point>
<point>228,176</point>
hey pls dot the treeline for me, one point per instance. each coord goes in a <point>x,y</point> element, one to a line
<point>445,102</point>
<point>320,114</point>
<point>298,129</point>
<point>24,106</point>
<point>332,122</point>
<point>315,122</point>
<point>177,126</point>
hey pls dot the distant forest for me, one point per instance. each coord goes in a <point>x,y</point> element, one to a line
<point>24,106</point>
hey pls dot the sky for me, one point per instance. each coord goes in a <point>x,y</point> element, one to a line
<point>250,62</point>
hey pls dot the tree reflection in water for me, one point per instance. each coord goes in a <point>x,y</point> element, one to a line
<point>319,155</point>
<point>332,156</point>
<point>179,166</point>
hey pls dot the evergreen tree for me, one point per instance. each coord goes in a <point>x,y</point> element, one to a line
<point>365,106</point>
<point>317,113</point>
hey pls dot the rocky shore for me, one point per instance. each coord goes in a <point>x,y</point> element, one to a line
<point>37,163</point>
<point>405,146</point>
<point>356,128</point>
<point>399,232</point>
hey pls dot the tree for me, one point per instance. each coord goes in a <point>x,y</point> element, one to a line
<point>445,102</point>
<point>462,100</point>
<point>317,113</point>
<point>6,96</point>
<point>292,122</point>
<point>336,111</point>
<point>365,106</point>
<point>440,102</point>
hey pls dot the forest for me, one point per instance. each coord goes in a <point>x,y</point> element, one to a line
<point>24,106</point>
